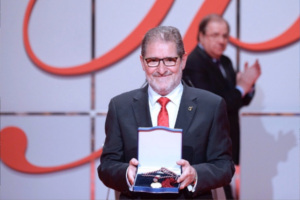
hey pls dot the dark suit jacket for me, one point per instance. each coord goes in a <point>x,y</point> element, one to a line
<point>203,73</point>
<point>206,142</point>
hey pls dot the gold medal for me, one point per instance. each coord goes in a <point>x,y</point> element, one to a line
<point>156,185</point>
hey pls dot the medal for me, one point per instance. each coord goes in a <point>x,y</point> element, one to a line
<point>156,185</point>
<point>167,177</point>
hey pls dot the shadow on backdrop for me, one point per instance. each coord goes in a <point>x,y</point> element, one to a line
<point>263,151</point>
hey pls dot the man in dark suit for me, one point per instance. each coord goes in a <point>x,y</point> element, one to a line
<point>206,147</point>
<point>207,68</point>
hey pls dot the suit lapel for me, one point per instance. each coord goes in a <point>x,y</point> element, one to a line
<point>186,110</point>
<point>140,106</point>
<point>212,67</point>
<point>230,74</point>
<point>216,76</point>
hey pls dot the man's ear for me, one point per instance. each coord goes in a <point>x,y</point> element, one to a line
<point>183,61</point>
<point>200,36</point>
<point>142,62</point>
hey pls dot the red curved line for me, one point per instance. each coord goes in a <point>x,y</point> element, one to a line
<point>208,7</point>
<point>13,149</point>
<point>292,34</point>
<point>215,6</point>
<point>152,19</point>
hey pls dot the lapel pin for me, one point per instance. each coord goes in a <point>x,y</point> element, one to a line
<point>190,108</point>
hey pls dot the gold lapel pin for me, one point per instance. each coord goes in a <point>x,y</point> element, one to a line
<point>190,108</point>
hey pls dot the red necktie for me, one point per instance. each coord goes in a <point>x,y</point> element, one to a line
<point>163,118</point>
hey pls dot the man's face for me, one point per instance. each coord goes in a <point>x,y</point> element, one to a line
<point>163,79</point>
<point>215,39</point>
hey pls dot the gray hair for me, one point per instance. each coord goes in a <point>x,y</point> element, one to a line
<point>163,33</point>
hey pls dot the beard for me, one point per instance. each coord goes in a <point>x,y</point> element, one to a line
<point>164,84</point>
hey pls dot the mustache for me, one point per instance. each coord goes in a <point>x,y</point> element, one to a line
<point>166,73</point>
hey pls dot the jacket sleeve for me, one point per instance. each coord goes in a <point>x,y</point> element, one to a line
<point>112,169</point>
<point>219,168</point>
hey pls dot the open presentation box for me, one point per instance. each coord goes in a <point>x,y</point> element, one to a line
<point>159,148</point>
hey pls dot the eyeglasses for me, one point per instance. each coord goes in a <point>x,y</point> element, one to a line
<point>168,61</point>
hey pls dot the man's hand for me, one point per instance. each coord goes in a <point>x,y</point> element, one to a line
<point>248,77</point>
<point>188,175</point>
<point>131,170</point>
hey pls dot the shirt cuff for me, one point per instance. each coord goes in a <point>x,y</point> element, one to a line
<point>129,185</point>
<point>239,88</point>
<point>192,187</point>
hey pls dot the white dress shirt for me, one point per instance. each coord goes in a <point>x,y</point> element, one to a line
<point>172,106</point>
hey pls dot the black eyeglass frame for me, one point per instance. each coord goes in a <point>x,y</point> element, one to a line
<point>163,60</point>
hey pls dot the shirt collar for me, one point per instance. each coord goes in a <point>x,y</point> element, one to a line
<point>201,47</point>
<point>174,96</point>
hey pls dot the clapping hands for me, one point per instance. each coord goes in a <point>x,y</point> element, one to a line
<point>248,77</point>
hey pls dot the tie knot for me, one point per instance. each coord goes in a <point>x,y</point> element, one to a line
<point>163,101</point>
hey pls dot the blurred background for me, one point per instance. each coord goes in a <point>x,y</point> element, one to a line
<point>62,61</point>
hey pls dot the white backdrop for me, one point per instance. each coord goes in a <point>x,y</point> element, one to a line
<point>61,116</point>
